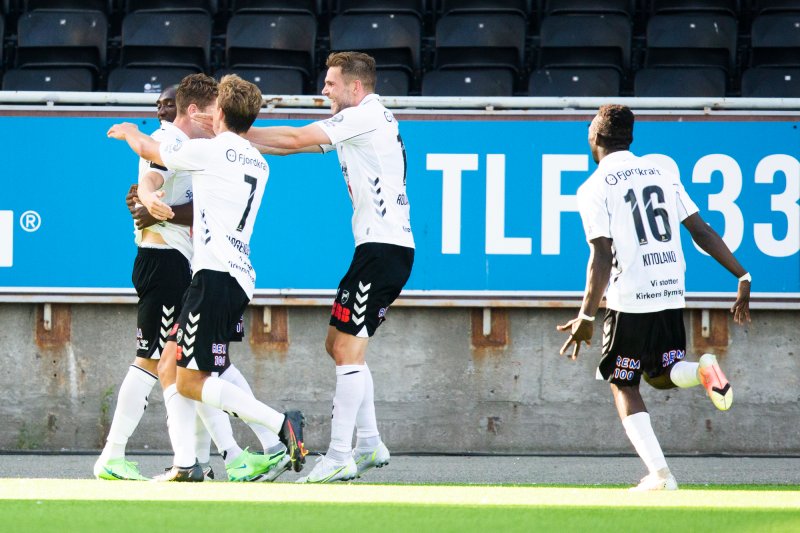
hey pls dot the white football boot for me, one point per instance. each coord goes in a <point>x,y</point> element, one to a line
<point>661,480</point>
<point>326,471</point>
<point>367,458</point>
<point>716,384</point>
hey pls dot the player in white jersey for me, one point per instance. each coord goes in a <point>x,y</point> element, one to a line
<point>373,161</point>
<point>228,179</point>
<point>160,274</point>
<point>632,210</point>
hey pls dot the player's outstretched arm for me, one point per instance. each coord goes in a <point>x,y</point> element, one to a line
<point>288,138</point>
<point>150,196</point>
<point>598,270</point>
<point>711,243</point>
<point>144,145</point>
<point>271,150</point>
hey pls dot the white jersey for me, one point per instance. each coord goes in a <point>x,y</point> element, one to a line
<point>177,191</point>
<point>640,207</point>
<point>373,161</point>
<point>228,180</point>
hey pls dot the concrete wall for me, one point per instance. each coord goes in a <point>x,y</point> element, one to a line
<point>435,392</point>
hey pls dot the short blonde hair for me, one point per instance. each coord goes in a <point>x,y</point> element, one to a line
<point>240,100</point>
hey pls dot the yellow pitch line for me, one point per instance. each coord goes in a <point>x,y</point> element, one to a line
<point>85,489</point>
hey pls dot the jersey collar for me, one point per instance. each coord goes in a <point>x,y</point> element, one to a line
<point>370,98</point>
<point>175,130</point>
<point>615,157</point>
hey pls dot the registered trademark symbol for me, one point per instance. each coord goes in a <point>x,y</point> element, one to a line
<point>30,221</point>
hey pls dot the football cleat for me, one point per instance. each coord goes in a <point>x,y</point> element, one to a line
<point>255,466</point>
<point>716,384</point>
<point>208,472</point>
<point>117,469</point>
<point>367,458</point>
<point>291,435</point>
<point>327,471</point>
<point>661,480</point>
<point>192,474</point>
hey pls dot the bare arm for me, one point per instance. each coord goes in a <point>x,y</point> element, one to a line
<point>271,150</point>
<point>150,196</point>
<point>287,137</point>
<point>711,243</point>
<point>598,271</point>
<point>144,145</point>
<point>184,214</point>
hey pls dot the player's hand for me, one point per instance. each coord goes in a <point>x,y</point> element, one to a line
<point>579,331</point>
<point>157,208</point>
<point>741,307</point>
<point>132,198</point>
<point>120,131</point>
<point>205,121</point>
<point>143,218</point>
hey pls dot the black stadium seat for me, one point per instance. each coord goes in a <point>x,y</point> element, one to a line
<point>680,82</point>
<point>263,40</point>
<point>586,41</point>
<point>485,40</point>
<point>197,6</point>
<point>270,81</point>
<point>778,82</point>
<point>728,7</point>
<point>572,7</point>
<point>395,41</point>
<point>55,79</point>
<point>309,7</point>
<point>103,6</point>
<point>62,39</point>
<point>574,82</point>
<point>692,40</point>
<point>406,7</point>
<point>519,7</point>
<point>775,6</point>
<point>165,39</point>
<point>468,82</point>
<point>775,40</point>
<point>145,79</point>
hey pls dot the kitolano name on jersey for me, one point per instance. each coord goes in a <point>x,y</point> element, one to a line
<point>659,258</point>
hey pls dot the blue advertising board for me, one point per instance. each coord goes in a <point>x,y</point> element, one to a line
<point>492,205</point>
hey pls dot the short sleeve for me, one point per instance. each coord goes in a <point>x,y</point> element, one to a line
<point>145,167</point>
<point>327,148</point>
<point>347,124</point>
<point>184,155</point>
<point>593,210</point>
<point>686,207</point>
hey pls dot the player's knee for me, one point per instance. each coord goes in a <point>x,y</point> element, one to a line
<point>661,382</point>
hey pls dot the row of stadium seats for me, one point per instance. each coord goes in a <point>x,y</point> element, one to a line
<point>680,54</point>
<point>671,82</point>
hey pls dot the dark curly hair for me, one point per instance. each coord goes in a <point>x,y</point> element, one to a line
<point>614,127</point>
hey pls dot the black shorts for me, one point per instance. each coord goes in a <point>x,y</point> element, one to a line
<point>375,278</point>
<point>634,343</point>
<point>213,306</point>
<point>160,277</point>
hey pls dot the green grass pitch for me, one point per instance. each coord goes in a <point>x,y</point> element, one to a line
<point>88,506</point>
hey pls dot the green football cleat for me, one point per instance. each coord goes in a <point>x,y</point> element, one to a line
<point>115,469</point>
<point>257,467</point>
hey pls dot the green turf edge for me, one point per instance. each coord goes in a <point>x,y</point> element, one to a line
<point>89,516</point>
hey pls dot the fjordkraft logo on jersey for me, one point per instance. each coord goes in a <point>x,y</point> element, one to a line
<point>360,305</point>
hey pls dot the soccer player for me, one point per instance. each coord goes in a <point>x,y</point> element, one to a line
<point>228,179</point>
<point>631,211</point>
<point>161,276</point>
<point>373,161</point>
